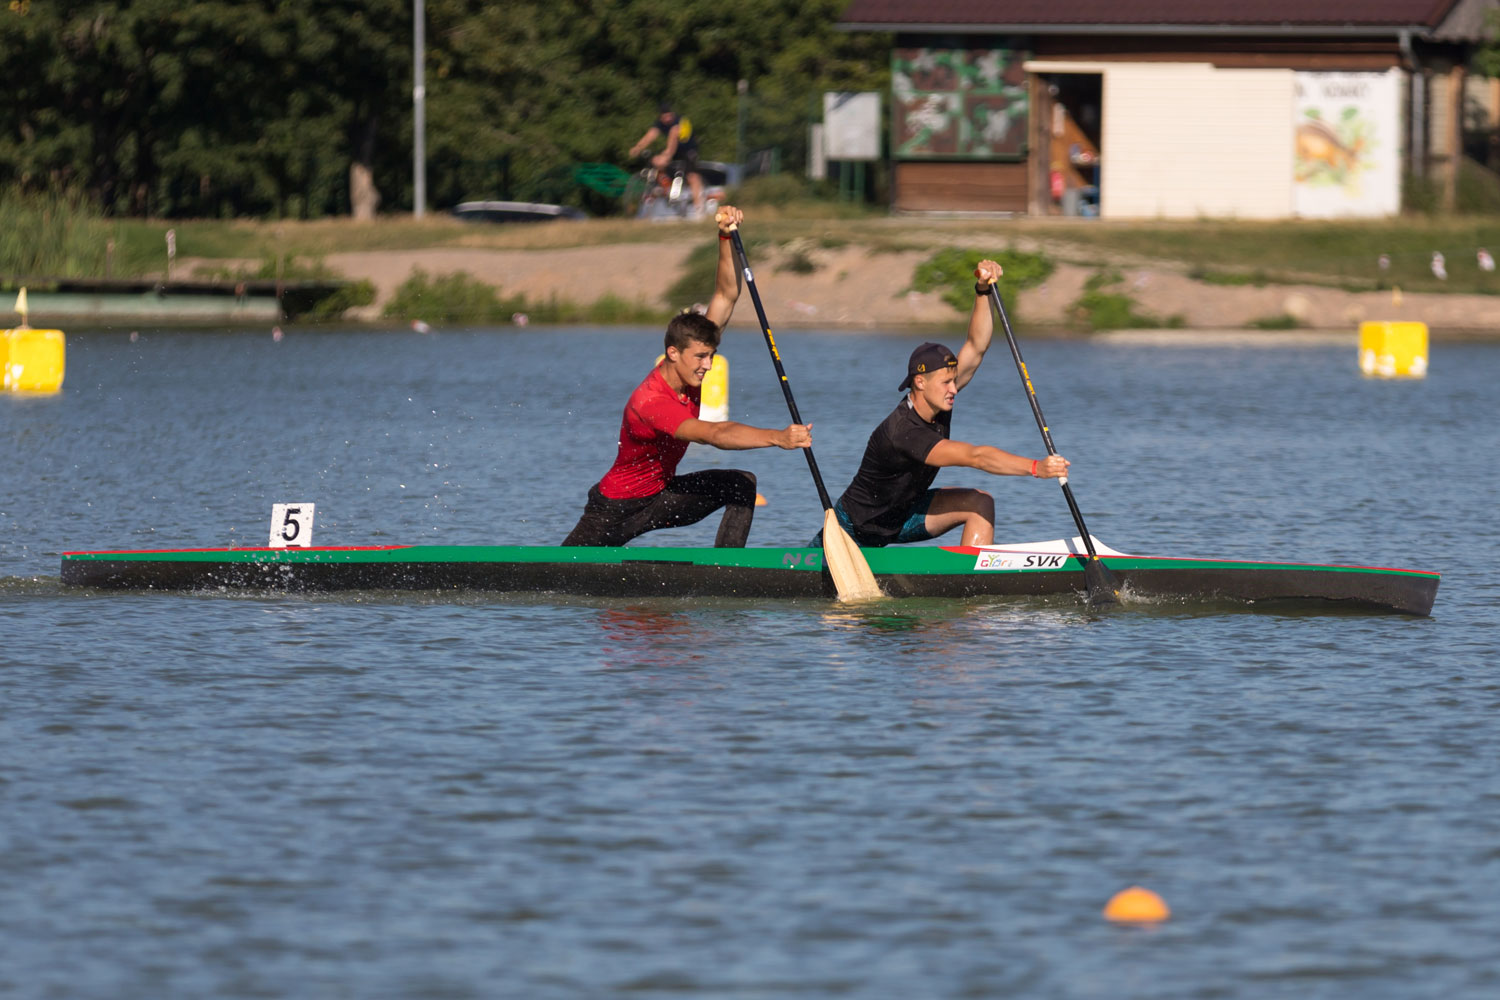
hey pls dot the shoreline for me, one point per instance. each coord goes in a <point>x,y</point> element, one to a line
<point>858,288</point>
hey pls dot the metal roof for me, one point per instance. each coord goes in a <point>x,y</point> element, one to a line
<point>1148,16</point>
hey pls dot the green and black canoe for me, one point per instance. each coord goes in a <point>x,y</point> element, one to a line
<point>1038,568</point>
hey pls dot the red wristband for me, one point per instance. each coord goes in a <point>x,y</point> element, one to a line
<point>1033,469</point>
<point>724,236</point>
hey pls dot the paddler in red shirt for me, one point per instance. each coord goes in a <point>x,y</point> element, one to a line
<point>642,491</point>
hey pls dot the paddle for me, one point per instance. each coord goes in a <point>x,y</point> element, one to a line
<point>846,563</point>
<point>1102,588</point>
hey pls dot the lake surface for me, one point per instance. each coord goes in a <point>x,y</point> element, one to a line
<point>423,795</point>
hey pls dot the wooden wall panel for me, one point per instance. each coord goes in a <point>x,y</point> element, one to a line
<point>961,187</point>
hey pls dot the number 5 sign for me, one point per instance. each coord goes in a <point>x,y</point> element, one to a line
<point>291,525</point>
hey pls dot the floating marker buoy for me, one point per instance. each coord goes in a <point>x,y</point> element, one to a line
<point>1136,906</point>
<point>32,360</point>
<point>714,396</point>
<point>1393,349</point>
<point>760,501</point>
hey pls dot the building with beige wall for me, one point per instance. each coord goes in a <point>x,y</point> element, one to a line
<point>1258,109</point>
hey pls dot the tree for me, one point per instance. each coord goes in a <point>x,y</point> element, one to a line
<point>285,108</point>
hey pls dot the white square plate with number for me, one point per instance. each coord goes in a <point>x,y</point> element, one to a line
<point>291,525</point>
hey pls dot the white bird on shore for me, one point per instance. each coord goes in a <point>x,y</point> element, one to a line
<point>420,327</point>
<point>1439,269</point>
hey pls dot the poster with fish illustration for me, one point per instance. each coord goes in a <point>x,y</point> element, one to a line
<point>959,103</point>
<point>1347,144</point>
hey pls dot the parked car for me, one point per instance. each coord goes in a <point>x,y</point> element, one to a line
<point>513,211</point>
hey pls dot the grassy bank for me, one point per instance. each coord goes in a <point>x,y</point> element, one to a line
<point>58,237</point>
<point>1340,254</point>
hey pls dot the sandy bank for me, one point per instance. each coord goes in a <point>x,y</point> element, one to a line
<point>854,288</point>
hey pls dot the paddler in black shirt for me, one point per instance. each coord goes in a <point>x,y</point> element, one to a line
<point>891,499</point>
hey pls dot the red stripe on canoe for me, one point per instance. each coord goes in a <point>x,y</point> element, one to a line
<point>310,548</point>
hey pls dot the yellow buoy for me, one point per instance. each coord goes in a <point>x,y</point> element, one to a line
<point>715,392</point>
<point>1136,906</point>
<point>760,501</point>
<point>1391,349</point>
<point>32,360</point>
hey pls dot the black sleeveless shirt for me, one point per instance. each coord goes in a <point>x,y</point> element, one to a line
<point>893,474</point>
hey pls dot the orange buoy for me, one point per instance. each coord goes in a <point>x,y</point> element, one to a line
<point>760,501</point>
<point>1136,906</point>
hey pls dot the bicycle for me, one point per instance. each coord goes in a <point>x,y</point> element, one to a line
<point>665,194</point>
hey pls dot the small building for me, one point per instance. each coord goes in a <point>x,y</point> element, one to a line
<point>1254,109</point>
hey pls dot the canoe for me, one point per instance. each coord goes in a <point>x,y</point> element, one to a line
<point>1037,568</point>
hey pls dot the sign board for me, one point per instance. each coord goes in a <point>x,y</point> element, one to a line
<point>291,525</point>
<point>1346,129</point>
<point>851,125</point>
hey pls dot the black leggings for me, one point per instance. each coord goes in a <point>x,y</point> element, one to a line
<point>685,500</point>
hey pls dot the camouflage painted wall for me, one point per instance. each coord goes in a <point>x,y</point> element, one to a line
<point>959,103</point>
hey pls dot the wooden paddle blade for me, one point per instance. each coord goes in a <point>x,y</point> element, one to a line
<point>851,573</point>
<point>1102,586</point>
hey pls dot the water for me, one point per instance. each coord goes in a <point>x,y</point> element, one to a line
<point>419,795</point>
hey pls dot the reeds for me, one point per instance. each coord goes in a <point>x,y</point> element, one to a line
<point>51,235</point>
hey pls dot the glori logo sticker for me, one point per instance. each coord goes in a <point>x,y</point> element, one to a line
<point>1019,560</point>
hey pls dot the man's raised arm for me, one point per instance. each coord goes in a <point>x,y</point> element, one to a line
<point>981,324</point>
<point>727,277</point>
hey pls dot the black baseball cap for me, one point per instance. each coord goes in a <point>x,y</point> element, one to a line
<point>927,358</point>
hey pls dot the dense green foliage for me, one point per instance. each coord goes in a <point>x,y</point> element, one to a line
<point>1100,309</point>
<point>460,299</point>
<point>159,108</point>
<point>952,270</point>
<point>452,298</point>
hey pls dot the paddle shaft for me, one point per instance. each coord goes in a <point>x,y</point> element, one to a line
<point>786,387</point>
<point>1041,422</point>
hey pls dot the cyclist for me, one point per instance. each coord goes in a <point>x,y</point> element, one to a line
<point>682,145</point>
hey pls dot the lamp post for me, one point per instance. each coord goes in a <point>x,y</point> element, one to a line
<point>419,109</point>
<point>739,134</point>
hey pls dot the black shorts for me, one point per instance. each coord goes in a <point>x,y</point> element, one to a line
<point>684,500</point>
